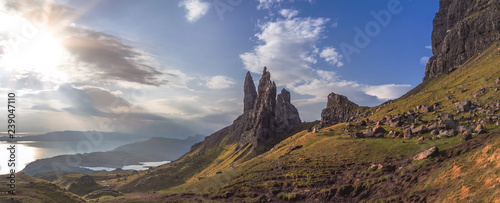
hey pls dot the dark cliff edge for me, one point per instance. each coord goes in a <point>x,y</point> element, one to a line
<point>461,29</point>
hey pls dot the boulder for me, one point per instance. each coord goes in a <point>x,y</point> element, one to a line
<point>464,106</point>
<point>479,129</point>
<point>395,123</point>
<point>378,129</point>
<point>369,133</point>
<point>419,130</point>
<point>433,151</point>
<point>357,135</point>
<point>393,133</point>
<point>435,132</point>
<point>461,129</point>
<point>407,133</point>
<point>427,109</point>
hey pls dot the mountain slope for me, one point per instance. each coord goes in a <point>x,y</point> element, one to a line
<point>267,119</point>
<point>333,166</point>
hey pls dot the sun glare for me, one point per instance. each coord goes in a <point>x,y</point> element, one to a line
<point>42,54</point>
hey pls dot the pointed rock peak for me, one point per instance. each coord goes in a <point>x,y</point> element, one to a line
<point>250,93</point>
<point>265,71</point>
<point>284,95</point>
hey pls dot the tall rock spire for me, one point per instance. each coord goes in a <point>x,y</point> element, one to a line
<point>287,116</point>
<point>250,93</point>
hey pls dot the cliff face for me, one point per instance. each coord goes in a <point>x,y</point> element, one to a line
<point>461,29</point>
<point>338,110</point>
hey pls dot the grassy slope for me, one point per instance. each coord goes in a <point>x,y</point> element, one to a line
<point>327,161</point>
<point>326,151</point>
<point>33,190</point>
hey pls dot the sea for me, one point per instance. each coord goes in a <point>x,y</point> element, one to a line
<point>29,151</point>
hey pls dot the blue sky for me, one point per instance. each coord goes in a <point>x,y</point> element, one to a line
<point>175,68</point>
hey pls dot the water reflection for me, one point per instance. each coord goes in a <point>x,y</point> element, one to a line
<point>29,151</point>
<point>24,154</point>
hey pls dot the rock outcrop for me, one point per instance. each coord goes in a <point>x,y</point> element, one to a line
<point>250,93</point>
<point>269,115</point>
<point>461,30</point>
<point>287,116</point>
<point>264,116</point>
<point>338,110</point>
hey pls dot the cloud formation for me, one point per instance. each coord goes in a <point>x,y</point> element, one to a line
<point>219,82</point>
<point>195,9</point>
<point>107,59</point>
<point>288,48</point>
<point>289,13</point>
<point>331,56</point>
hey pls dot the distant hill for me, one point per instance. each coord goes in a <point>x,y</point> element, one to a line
<point>74,136</point>
<point>161,149</point>
<point>154,149</point>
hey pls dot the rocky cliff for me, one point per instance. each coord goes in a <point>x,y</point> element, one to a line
<point>338,110</point>
<point>461,30</point>
<point>265,115</point>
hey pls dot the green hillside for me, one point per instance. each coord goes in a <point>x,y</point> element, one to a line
<point>330,165</point>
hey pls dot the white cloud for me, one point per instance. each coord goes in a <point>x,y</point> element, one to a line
<point>195,9</point>
<point>267,4</point>
<point>424,60</point>
<point>331,56</point>
<point>288,48</point>
<point>428,47</point>
<point>388,91</point>
<point>220,82</point>
<point>289,13</point>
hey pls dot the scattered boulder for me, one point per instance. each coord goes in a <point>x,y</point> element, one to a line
<point>393,133</point>
<point>426,154</point>
<point>497,81</point>
<point>479,129</point>
<point>378,129</point>
<point>407,133</point>
<point>435,132</point>
<point>461,129</point>
<point>427,109</point>
<point>419,130</point>
<point>357,135</point>
<point>395,123</point>
<point>464,106</point>
<point>368,133</point>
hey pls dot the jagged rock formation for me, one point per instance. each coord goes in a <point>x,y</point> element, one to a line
<point>263,117</point>
<point>287,116</point>
<point>461,30</point>
<point>338,110</point>
<point>250,93</point>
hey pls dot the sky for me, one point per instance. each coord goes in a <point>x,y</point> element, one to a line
<point>176,68</point>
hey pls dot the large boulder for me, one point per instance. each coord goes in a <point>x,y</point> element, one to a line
<point>426,154</point>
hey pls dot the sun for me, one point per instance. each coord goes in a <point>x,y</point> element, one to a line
<point>42,54</point>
